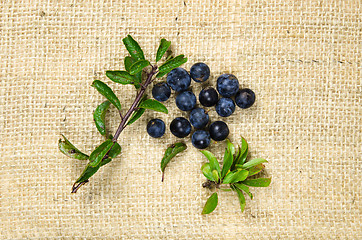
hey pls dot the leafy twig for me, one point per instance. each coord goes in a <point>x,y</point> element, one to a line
<point>135,64</point>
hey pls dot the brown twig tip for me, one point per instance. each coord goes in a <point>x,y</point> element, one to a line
<point>209,184</point>
<point>76,186</point>
<point>163,175</point>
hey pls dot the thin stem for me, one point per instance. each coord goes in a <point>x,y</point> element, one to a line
<point>133,107</point>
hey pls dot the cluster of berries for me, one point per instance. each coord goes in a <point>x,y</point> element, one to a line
<point>179,80</point>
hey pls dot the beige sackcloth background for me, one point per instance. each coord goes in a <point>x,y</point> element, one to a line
<point>302,59</point>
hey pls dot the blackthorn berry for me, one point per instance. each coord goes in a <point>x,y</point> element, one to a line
<point>180,127</point>
<point>161,91</point>
<point>200,139</point>
<point>186,101</point>
<point>219,130</point>
<point>199,118</point>
<point>179,79</point>
<point>208,97</point>
<point>225,107</point>
<point>227,85</point>
<point>245,98</point>
<point>156,128</point>
<point>200,72</point>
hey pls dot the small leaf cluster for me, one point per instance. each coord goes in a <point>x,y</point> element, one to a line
<point>138,72</point>
<point>234,172</point>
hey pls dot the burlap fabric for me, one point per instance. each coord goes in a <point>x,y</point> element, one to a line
<point>302,58</point>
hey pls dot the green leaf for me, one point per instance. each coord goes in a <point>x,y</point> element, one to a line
<point>206,170</point>
<point>161,74</point>
<point>214,164</point>
<point>99,153</point>
<point>171,152</point>
<point>136,115</point>
<point>210,204</point>
<point>171,64</point>
<point>230,147</point>
<point>259,182</point>
<point>236,176</point>
<point>244,145</point>
<point>241,198</point>
<point>253,162</point>
<point>256,169</point>
<point>105,161</point>
<point>70,150</point>
<point>133,48</point>
<point>229,177</point>
<point>107,92</point>
<point>138,66</point>
<point>128,62</point>
<point>228,161</point>
<point>241,175</point>
<point>243,152</point>
<point>99,116</point>
<point>215,175</point>
<point>121,77</point>
<point>162,49</point>
<point>244,188</point>
<point>138,76</point>
<point>115,151</point>
<point>236,156</point>
<point>153,105</point>
<point>87,173</point>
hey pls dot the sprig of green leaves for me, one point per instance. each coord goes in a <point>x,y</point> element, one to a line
<point>135,65</point>
<point>235,172</point>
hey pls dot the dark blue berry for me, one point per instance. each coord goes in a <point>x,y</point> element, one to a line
<point>186,101</point>
<point>225,107</point>
<point>199,118</point>
<point>180,127</point>
<point>156,128</point>
<point>179,79</point>
<point>219,130</point>
<point>161,91</point>
<point>200,72</point>
<point>245,98</point>
<point>200,139</point>
<point>227,85</point>
<point>208,97</point>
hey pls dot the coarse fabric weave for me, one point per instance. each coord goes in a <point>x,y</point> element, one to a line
<point>302,59</point>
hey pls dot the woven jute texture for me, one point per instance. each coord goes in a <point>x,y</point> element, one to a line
<point>302,59</point>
